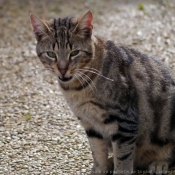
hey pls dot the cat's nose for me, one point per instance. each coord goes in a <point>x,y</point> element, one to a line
<point>63,71</point>
<point>63,76</point>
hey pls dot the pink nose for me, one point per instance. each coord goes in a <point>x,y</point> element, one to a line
<point>63,71</point>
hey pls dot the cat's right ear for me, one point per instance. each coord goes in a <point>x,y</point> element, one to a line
<point>39,27</point>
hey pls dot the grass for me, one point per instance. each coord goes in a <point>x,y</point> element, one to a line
<point>27,117</point>
<point>141,6</point>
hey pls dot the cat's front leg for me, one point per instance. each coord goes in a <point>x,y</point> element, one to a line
<point>99,150</point>
<point>100,156</point>
<point>123,158</point>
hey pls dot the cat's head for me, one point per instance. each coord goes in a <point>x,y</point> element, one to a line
<point>64,45</point>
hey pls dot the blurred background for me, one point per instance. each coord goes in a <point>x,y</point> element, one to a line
<point>38,133</point>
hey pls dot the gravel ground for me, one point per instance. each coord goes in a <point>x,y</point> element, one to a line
<point>38,133</point>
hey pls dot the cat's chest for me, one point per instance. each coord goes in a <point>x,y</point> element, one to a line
<point>76,100</point>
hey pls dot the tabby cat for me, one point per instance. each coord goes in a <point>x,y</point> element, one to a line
<point>125,100</point>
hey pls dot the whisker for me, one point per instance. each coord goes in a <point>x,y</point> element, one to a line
<point>85,81</point>
<point>77,76</point>
<point>93,69</point>
<point>80,76</point>
<point>88,79</point>
<point>96,73</point>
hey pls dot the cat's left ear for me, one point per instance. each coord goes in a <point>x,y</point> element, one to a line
<point>84,26</point>
<point>39,27</point>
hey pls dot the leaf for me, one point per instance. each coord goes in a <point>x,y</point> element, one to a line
<point>141,6</point>
<point>27,117</point>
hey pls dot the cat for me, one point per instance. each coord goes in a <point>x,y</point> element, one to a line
<point>124,99</point>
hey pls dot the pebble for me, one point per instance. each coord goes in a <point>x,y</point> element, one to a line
<point>51,141</point>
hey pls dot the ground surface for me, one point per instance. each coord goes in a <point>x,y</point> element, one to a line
<point>38,133</point>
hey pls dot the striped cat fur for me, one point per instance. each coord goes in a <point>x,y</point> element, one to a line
<point>124,99</point>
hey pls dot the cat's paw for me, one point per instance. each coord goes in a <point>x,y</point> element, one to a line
<point>106,171</point>
<point>159,167</point>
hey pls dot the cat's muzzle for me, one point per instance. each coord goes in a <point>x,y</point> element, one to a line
<point>64,78</point>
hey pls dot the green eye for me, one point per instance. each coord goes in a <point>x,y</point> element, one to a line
<point>74,53</point>
<point>51,54</point>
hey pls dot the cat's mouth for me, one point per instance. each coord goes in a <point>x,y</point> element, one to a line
<point>65,79</point>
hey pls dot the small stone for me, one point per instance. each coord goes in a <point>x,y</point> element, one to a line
<point>6,134</point>
<point>83,170</point>
<point>139,33</point>
<point>25,107</point>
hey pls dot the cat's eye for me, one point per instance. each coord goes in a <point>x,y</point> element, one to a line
<point>51,54</point>
<point>74,53</point>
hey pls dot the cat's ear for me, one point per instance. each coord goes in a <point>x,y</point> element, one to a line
<point>84,26</point>
<point>39,27</point>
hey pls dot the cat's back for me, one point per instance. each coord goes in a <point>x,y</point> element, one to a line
<point>146,71</point>
<point>150,80</point>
